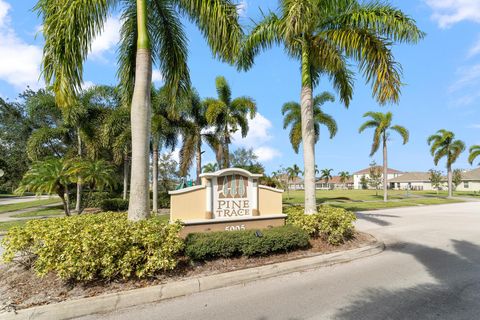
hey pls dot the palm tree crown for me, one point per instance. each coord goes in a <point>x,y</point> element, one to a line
<point>443,144</point>
<point>293,116</point>
<point>229,115</point>
<point>474,153</point>
<point>326,175</point>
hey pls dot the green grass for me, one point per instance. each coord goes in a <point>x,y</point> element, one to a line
<point>4,226</point>
<point>445,193</point>
<point>367,206</point>
<point>26,205</point>
<point>54,211</point>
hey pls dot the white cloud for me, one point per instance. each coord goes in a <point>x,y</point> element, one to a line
<point>19,61</point>
<point>449,12</point>
<point>467,76</point>
<point>242,7</point>
<point>107,40</point>
<point>258,132</point>
<point>87,84</point>
<point>157,76</point>
<point>474,126</point>
<point>266,153</point>
<point>474,50</point>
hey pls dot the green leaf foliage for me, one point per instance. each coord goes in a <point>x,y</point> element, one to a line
<point>96,246</point>
<point>335,225</point>
<point>214,245</point>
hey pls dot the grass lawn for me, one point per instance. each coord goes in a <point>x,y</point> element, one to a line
<point>4,226</point>
<point>54,211</point>
<point>357,200</point>
<point>26,205</point>
<point>445,193</point>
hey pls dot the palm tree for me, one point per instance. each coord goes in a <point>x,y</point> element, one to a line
<point>344,177</point>
<point>292,173</point>
<point>195,132</point>
<point>165,123</point>
<point>151,31</point>
<point>228,115</point>
<point>293,116</point>
<point>326,175</point>
<point>322,36</point>
<point>443,144</point>
<point>210,167</point>
<point>474,153</point>
<point>97,174</point>
<point>382,123</point>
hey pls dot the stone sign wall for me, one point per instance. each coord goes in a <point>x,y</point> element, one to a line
<point>229,199</point>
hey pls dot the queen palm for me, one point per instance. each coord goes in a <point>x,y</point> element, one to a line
<point>344,177</point>
<point>293,117</point>
<point>326,175</point>
<point>474,153</point>
<point>444,145</point>
<point>382,123</point>
<point>228,115</point>
<point>151,32</point>
<point>195,132</point>
<point>322,35</point>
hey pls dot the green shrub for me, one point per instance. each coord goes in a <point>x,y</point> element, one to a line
<point>96,246</point>
<point>335,225</point>
<point>92,199</point>
<point>163,200</point>
<point>117,204</point>
<point>212,245</point>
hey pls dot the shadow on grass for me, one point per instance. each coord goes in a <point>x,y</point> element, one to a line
<point>454,295</point>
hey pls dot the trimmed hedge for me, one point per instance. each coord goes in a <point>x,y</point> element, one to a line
<point>117,204</point>
<point>224,244</point>
<point>96,246</point>
<point>335,225</point>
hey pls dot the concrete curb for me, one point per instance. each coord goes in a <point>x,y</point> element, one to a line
<point>120,300</point>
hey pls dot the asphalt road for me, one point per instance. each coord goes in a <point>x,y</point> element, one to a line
<point>12,200</point>
<point>430,270</point>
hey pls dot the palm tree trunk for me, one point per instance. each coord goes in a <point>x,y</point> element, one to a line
<point>198,159</point>
<point>66,197</point>
<point>226,151</point>
<point>155,177</point>
<point>449,178</point>
<point>385,169</point>
<point>308,134</point>
<point>79,180</point>
<point>140,121</point>
<point>125,176</point>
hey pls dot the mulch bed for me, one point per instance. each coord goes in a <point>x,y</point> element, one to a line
<point>20,288</point>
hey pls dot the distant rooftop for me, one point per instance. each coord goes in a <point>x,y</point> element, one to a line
<point>367,170</point>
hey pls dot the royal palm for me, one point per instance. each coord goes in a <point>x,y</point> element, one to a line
<point>444,145</point>
<point>382,123</point>
<point>292,116</point>
<point>151,32</point>
<point>323,35</point>
<point>228,115</point>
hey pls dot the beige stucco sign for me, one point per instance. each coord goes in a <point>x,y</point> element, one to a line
<point>229,199</point>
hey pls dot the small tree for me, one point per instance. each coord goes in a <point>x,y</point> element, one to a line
<point>364,182</point>
<point>344,176</point>
<point>246,159</point>
<point>435,179</point>
<point>167,172</point>
<point>375,177</point>
<point>456,178</point>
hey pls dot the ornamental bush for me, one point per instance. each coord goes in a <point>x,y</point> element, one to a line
<point>96,246</point>
<point>212,245</point>
<point>335,225</point>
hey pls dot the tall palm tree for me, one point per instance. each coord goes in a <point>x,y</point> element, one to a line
<point>322,36</point>
<point>210,167</point>
<point>293,116</point>
<point>151,32</point>
<point>195,132</point>
<point>228,115</point>
<point>326,175</point>
<point>165,124</point>
<point>382,123</point>
<point>344,177</point>
<point>443,144</point>
<point>474,153</point>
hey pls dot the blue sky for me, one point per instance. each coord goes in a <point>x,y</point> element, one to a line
<point>441,76</point>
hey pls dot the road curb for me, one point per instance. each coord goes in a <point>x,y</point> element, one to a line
<point>120,300</point>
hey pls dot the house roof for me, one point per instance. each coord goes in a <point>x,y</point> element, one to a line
<point>412,177</point>
<point>296,180</point>
<point>367,170</point>
<point>471,175</point>
<point>336,180</point>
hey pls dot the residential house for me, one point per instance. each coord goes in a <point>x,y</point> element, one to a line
<point>470,181</point>
<point>334,183</point>
<point>411,181</point>
<point>357,176</point>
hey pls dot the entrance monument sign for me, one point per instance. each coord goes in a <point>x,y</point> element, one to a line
<point>229,199</point>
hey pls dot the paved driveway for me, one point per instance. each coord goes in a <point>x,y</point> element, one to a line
<point>11,200</point>
<point>430,270</point>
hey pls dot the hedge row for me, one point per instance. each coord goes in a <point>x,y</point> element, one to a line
<point>212,245</point>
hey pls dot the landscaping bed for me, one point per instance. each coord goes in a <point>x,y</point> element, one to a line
<point>21,288</point>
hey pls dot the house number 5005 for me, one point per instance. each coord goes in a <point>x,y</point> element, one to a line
<point>235,228</point>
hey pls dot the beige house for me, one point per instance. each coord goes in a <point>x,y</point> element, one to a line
<point>411,181</point>
<point>357,176</point>
<point>334,183</point>
<point>470,181</point>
